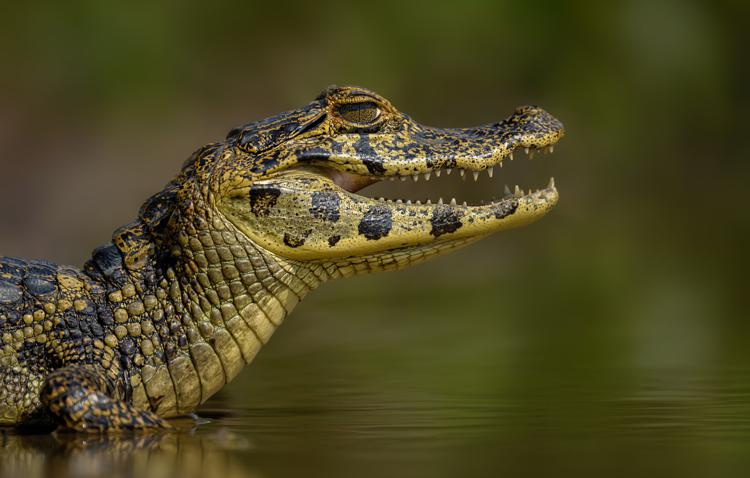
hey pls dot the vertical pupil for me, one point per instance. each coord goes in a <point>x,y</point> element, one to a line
<point>359,112</point>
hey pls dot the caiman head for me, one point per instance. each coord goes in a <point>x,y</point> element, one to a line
<point>291,183</point>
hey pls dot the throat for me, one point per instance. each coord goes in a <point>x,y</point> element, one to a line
<point>190,320</point>
<point>226,298</point>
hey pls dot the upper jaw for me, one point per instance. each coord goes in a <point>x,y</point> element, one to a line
<point>416,152</point>
<point>412,149</point>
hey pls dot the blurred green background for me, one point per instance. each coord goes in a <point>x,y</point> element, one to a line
<point>615,325</point>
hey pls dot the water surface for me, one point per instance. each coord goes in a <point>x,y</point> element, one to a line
<point>422,384</point>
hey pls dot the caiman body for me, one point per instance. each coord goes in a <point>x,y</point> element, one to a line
<point>184,297</point>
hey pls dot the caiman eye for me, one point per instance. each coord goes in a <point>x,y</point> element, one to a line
<point>364,113</point>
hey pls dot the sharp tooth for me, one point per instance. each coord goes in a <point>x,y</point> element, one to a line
<point>408,202</point>
<point>429,202</point>
<point>476,175</point>
<point>510,156</point>
<point>551,148</point>
<point>551,184</point>
<point>461,172</point>
<point>398,201</point>
<point>491,171</point>
<point>517,192</point>
<point>531,154</point>
<point>415,177</point>
<point>506,191</point>
<point>448,171</point>
<point>419,203</point>
<point>501,164</point>
<point>440,201</point>
<point>437,173</point>
<point>464,204</point>
<point>526,150</point>
<point>453,201</point>
<point>403,178</point>
<point>426,176</point>
<point>381,199</point>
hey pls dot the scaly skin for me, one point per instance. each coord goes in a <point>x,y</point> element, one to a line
<point>185,296</point>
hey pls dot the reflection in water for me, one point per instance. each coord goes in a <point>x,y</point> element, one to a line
<point>566,426</point>
<point>183,453</point>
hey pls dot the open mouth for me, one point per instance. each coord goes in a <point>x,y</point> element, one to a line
<point>353,183</point>
<point>314,209</point>
<point>422,153</point>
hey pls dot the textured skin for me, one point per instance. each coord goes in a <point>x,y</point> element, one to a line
<point>184,297</point>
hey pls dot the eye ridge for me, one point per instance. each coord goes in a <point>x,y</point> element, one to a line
<point>363,113</point>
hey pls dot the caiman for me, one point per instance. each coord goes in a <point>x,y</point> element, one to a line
<point>182,298</point>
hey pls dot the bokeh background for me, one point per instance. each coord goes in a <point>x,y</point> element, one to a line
<point>610,337</point>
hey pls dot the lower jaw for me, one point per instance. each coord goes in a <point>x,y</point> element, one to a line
<point>413,228</point>
<point>425,226</point>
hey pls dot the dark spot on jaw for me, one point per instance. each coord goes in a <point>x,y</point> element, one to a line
<point>370,158</point>
<point>325,205</point>
<point>376,223</point>
<point>505,209</point>
<point>262,199</point>
<point>294,240</point>
<point>445,220</point>
<point>333,240</point>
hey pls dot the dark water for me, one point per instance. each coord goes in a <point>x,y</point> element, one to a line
<point>424,384</point>
<point>699,428</point>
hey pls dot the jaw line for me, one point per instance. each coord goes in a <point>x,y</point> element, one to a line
<point>512,211</point>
